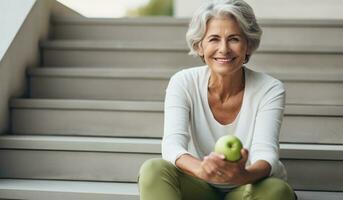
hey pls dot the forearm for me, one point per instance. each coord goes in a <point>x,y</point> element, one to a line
<point>188,164</point>
<point>259,170</point>
<point>192,166</point>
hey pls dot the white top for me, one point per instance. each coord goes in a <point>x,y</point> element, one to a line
<point>190,127</point>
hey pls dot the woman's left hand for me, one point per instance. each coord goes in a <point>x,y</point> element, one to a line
<point>216,169</point>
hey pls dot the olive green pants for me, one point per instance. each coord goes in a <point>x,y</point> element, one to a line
<point>159,179</point>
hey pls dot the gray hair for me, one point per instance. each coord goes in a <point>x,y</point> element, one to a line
<point>239,9</point>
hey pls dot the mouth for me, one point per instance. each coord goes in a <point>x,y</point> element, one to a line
<point>224,60</point>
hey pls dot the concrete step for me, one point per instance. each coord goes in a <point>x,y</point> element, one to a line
<point>99,83</point>
<point>287,58</point>
<point>310,167</point>
<point>275,32</point>
<point>315,195</point>
<point>86,117</point>
<point>302,123</point>
<point>80,190</point>
<point>130,54</point>
<point>75,190</point>
<point>150,84</point>
<point>140,29</point>
<point>75,158</point>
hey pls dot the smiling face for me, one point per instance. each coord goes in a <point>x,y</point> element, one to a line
<point>224,46</point>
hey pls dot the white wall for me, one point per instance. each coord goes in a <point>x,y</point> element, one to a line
<point>279,9</point>
<point>13,14</point>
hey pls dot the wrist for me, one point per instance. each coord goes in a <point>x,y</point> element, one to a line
<point>189,165</point>
<point>247,177</point>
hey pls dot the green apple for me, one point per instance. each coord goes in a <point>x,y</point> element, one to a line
<point>230,146</point>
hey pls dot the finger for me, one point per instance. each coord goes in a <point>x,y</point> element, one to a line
<point>218,155</point>
<point>217,159</point>
<point>209,166</point>
<point>245,155</point>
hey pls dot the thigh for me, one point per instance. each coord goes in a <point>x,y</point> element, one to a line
<point>194,188</point>
<point>270,188</point>
<point>160,179</point>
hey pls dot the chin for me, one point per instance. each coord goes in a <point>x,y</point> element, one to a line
<point>225,70</point>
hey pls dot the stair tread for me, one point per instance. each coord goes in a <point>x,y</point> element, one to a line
<point>319,195</point>
<point>103,72</point>
<point>113,45</point>
<point>167,21</point>
<point>112,188</point>
<point>148,145</point>
<point>87,104</point>
<point>69,186</point>
<point>166,73</point>
<point>173,46</point>
<point>141,21</point>
<point>73,143</point>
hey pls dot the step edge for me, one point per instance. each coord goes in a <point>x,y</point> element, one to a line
<point>155,106</point>
<point>91,45</point>
<point>73,186</point>
<point>101,72</point>
<point>84,144</point>
<point>185,21</point>
<point>81,104</point>
<point>149,146</point>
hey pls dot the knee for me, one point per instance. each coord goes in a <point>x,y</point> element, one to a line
<point>153,170</point>
<point>277,189</point>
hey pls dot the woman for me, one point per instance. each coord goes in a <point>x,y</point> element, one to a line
<point>223,97</point>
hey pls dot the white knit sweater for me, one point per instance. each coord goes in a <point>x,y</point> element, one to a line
<point>190,127</point>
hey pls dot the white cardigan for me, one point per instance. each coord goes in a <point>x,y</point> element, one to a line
<point>190,127</point>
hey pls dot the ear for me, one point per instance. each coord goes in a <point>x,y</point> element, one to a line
<point>200,49</point>
<point>247,55</point>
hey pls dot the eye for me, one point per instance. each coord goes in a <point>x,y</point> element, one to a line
<point>234,39</point>
<point>213,39</point>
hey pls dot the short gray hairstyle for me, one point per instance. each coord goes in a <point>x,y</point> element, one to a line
<point>239,9</point>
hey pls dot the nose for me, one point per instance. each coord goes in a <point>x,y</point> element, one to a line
<point>224,47</point>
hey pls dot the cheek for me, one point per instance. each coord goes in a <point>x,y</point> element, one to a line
<point>209,50</point>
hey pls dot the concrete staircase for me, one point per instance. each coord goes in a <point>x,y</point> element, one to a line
<point>95,111</point>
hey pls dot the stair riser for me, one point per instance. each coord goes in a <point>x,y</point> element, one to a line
<point>119,58</point>
<point>315,174</point>
<point>176,59</point>
<point>84,122</point>
<point>59,165</point>
<point>312,129</point>
<point>323,93</point>
<point>98,88</point>
<point>303,36</point>
<point>64,165</point>
<point>272,34</point>
<point>298,92</point>
<point>120,32</point>
<point>306,129</point>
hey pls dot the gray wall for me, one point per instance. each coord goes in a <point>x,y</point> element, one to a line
<point>22,53</point>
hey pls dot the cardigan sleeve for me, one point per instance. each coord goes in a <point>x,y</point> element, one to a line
<point>176,120</point>
<point>265,142</point>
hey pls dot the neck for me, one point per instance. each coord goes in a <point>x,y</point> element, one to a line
<point>225,86</point>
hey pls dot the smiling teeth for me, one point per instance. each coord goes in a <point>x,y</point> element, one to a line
<point>222,60</point>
